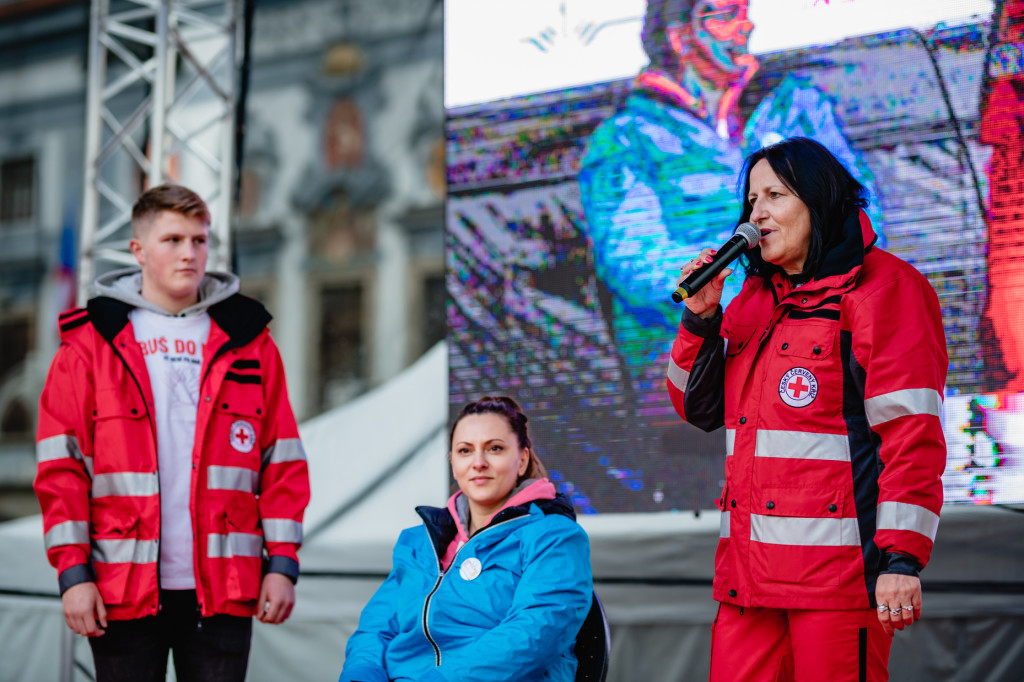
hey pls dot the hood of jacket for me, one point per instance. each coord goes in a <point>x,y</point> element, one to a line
<point>856,239</point>
<point>530,490</point>
<point>840,266</point>
<point>125,285</point>
<point>445,528</point>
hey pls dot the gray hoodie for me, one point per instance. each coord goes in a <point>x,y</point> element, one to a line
<point>126,285</point>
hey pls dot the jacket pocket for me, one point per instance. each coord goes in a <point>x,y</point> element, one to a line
<point>114,553</point>
<point>118,404</point>
<point>797,535</point>
<point>808,340</point>
<point>238,551</point>
<point>723,559</point>
<point>723,506</point>
<point>243,400</point>
<point>239,417</point>
<point>119,417</point>
<point>804,367</point>
<point>740,336</point>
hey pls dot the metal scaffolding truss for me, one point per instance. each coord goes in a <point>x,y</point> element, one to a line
<point>161,99</point>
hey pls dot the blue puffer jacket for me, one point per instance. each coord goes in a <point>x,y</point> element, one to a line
<point>509,608</point>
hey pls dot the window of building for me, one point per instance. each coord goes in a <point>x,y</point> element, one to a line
<point>434,319</point>
<point>15,341</point>
<point>343,357</point>
<point>17,190</point>
<point>16,421</point>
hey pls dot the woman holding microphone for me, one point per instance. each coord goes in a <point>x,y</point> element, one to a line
<point>827,371</point>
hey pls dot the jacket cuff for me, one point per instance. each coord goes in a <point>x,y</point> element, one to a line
<point>284,565</point>
<point>704,328</point>
<point>901,564</point>
<point>79,573</point>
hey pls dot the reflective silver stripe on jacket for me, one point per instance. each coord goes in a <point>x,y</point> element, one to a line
<point>67,533</point>
<point>127,484</point>
<point>282,530</point>
<point>232,478</point>
<point>58,447</point>
<point>125,551</point>
<point>905,516</point>
<point>61,447</point>
<point>233,544</point>
<point>723,525</point>
<point>677,375</point>
<point>791,530</point>
<point>284,450</point>
<point>802,445</point>
<point>908,401</point>
<point>730,441</point>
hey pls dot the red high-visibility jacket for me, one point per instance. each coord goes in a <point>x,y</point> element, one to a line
<point>831,395</point>
<point>97,479</point>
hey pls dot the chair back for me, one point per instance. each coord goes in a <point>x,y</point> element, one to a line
<point>593,645</point>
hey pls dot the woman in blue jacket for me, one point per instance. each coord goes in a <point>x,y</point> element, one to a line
<point>496,586</point>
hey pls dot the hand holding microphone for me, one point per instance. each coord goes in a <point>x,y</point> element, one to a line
<point>710,267</point>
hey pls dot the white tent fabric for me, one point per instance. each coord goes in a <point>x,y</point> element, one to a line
<point>374,460</point>
<point>379,456</point>
<point>31,622</point>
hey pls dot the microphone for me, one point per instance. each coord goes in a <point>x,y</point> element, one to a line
<point>745,237</point>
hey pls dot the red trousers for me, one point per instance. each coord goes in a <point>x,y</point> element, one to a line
<point>792,645</point>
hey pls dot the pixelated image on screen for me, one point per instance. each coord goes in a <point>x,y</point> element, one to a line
<point>570,212</point>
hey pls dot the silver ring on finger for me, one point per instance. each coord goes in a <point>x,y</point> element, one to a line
<point>908,608</point>
<point>895,612</point>
<point>883,607</point>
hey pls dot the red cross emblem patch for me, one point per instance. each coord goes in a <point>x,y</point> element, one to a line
<point>243,436</point>
<point>798,387</point>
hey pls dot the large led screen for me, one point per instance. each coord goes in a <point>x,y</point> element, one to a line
<point>559,271</point>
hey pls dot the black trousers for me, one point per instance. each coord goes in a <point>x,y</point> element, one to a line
<point>214,649</point>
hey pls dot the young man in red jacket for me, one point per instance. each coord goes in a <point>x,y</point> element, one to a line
<point>171,475</point>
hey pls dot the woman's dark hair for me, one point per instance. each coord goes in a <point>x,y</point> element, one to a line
<point>818,179</point>
<point>509,409</point>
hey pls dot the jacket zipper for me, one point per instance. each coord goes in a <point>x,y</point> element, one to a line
<point>426,610</point>
<point>441,573</point>
<point>200,597</point>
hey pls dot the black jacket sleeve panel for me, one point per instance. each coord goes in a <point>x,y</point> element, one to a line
<point>696,374</point>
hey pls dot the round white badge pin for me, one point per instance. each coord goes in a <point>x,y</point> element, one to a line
<point>470,568</point>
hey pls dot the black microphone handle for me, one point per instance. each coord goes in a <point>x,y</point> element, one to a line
<point>696,280</point>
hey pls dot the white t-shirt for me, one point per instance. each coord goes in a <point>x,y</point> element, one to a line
<point>173,348</point>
